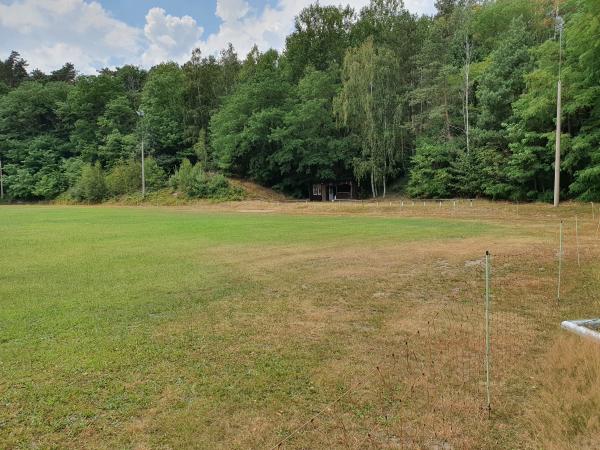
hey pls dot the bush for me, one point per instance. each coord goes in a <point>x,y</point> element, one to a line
<point>71,169</point>
<point>45,184</point>
<point>126,178</point>
<point>91,186</point>
<point>183,178</point>
<point>20,183</point>
<point>49,185</point>
<point>156,178</point>
<point>195,182</point>
<point>587,184</point>
<point>431,174</point>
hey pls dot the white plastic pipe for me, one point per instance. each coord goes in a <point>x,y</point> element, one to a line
<point>585,328</point>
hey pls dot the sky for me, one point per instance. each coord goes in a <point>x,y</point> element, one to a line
<point>110,33</point>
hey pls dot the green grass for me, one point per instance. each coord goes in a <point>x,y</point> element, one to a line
<point>108,314</point>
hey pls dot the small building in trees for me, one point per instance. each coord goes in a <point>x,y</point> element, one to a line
<point>333,191</point>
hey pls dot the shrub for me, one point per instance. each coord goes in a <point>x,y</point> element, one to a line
<point>91,186</point>
<point>71,169</point>
<point>431,175</point>
<point>195,182</point>
<point>126,177</point>
<point>45,184</point>
<point>156,178</point>
<point>20,183</point>
<point>48,185</point>
<point>183,178</point>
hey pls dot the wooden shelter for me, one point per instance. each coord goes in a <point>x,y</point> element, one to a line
<point>333,191</point>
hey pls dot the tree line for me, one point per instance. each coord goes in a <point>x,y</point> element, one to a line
<point>459,104</point>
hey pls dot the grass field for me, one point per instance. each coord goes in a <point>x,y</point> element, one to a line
<point>231,326</point>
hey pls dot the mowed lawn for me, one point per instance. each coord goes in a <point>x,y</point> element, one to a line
<point>223,327</point>
<point>166,328</point>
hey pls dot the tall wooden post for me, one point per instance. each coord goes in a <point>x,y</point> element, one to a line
<point>557,150</point>
<point>559,23</point>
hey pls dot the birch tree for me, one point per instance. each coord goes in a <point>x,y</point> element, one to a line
<point>368,105</point>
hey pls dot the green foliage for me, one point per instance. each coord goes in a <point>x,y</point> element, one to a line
<point>91,186</point>
<point>502,82</point>
<point>34,168</point>
<point>19,183</point>
<point>195,182</point>
<point>583,105</point>
<point>241,129</point>
<point>82,114</point>
<point>162,104</point>
<point>368,104</point>
<point>431,174</point>
<point>492,21</point>
<point>156,178</point>
<point>184,177</point>
<point>201,148</point>
<point>32,109</point>
<point>13,70</point>
<point>320,39</point>
<point>71,169</point>
<point>126,177</point>
<point>312,148</point>
<point>214,186</point>
<point>206,81</point>
<point>66,73</point>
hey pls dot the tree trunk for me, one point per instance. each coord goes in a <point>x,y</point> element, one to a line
<point>448,135</point>
<point>373,183</point>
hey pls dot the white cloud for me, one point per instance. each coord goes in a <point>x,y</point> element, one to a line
<point>230,10</point>
<point>49,33</point>
<point>269,27</point>
<point>265,29</point>
<point>169,37</point>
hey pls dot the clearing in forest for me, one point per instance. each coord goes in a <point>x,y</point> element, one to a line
<point>257,325</point>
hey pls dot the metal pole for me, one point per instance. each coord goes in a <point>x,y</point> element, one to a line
<point>577,240</point>
<point>560,251</point>
<point>487,330</point>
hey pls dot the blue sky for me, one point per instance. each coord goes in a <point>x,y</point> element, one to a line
<point>108,33</point>
<point>133,11</point>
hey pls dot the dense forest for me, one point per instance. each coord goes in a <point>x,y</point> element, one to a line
<point>461,104</point>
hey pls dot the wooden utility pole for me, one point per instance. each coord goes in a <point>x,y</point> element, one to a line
<point>559,23</point>
<point>557,150</point>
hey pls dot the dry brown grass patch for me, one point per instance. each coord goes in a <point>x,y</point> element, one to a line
<point>565,413</point>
